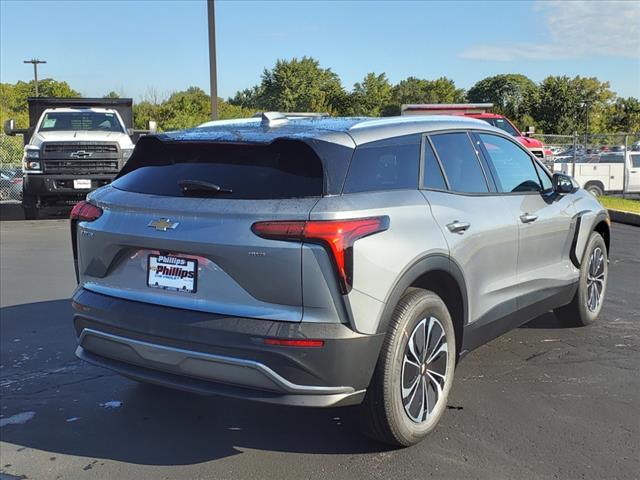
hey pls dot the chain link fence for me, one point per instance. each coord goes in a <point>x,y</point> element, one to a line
<point>620,152</point>
<point>11,148</point>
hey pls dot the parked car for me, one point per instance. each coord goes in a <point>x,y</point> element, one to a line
<point>10,184</point>
<point>329,261</point>
<point>481,111</point>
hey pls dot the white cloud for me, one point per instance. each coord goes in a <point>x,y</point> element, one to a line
<point>575,29</point>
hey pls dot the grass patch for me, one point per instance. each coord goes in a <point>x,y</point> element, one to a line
<point>623,204</point>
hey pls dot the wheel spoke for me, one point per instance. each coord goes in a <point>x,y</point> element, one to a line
<point>443,348</point>
<point>411,391</point>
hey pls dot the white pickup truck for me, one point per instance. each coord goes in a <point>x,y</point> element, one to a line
<point>72,147</point>
<point>606,173</point>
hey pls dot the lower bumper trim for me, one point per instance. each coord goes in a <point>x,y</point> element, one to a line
<point>199,366</point>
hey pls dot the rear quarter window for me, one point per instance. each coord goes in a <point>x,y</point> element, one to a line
<point>390,164</point>
<point>283,169</point>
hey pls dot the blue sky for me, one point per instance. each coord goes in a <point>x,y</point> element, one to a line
<point>142,46</point>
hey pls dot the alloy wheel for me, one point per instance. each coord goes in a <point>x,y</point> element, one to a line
<point>595,279</point>
<point>424,369</point>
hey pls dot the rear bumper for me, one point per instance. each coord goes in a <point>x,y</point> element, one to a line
<point>219,355</point>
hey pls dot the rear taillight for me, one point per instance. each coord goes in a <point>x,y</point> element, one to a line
<point>336,236</point>
<point>85,212</point>
<point>81,212</point>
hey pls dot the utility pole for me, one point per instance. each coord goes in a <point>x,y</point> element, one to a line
<point>35,62</point>
<point>587,104</point>
<point>212,59</point>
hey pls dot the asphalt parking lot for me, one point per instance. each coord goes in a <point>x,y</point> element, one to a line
<point>541,402</point>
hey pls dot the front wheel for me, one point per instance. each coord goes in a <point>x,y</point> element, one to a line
<point>413,377</point>
<point>592,285</point>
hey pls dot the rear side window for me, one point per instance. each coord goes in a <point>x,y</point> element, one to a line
<point>460,162</point>
<point>432,174</point>
<point>391,164</point>
<point>513,166</point>
<point>283,169</point>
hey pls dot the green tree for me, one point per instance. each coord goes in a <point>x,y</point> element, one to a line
<point>112,94</point>
<point>301,86</point>
<point>563,104</point>
<point>371,96</point>
<point>247,98</point>
<point>418,90</point>
<point>624,116</point>
<point>512,95</point>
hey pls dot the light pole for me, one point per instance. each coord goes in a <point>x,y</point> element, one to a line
<point>212,59</point>
<point>586,105</point>
<point>35,63</point>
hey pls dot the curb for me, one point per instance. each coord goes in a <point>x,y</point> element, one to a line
<point>627,218</point>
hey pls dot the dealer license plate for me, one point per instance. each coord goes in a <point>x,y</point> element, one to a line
<point>82,183</point>
<point>169,272</point>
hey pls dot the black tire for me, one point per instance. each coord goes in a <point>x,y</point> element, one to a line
<point>386,409</point>
<point>30,207</point>
<point>594,189</point>
<point>581,311</point>
<point>5,193</point>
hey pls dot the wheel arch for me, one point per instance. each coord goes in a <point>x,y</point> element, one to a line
<point>441,275</point>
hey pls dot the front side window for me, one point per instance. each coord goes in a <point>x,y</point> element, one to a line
<point>544,177</point>
<point>635,160</point>
<point>512,165</point>
<point>392,164</point>
<point>460,162</point>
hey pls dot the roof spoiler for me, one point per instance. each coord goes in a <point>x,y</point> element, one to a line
<point>445,108</point>
<point>276,119</point>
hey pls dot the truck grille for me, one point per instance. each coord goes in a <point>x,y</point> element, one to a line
<point>75,147</point>
<point>81,158</point>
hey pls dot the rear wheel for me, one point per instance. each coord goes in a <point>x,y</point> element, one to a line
<point>595,189</point>
<point>592,285</point>
<point>409,390</point>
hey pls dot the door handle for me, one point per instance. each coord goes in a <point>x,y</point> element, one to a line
<point>458,227</point>
<point>528,218</point>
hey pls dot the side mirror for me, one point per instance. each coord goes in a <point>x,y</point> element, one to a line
<point>530,132</point>
<point>562,183</point>
<point>10,127</point>
<point>153,127</point>
<point>130,132</point>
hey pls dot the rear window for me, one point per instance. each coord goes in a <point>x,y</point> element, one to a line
<point>391,164</point>
<point>283,169</point>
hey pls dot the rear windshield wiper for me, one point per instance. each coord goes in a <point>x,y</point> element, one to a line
<point>191,187</point>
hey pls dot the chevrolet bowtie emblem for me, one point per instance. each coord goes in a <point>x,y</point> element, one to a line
<point>163,224</point>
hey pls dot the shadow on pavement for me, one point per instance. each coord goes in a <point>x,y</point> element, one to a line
<point>12,211</point>
<point>153,425</point>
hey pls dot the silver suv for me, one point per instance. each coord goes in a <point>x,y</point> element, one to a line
<point>329,261</point>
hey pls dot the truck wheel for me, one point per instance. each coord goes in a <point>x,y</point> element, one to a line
<point>592,286</point>
<point>594,189</point>
<point>5,193</point>
<point>413,376</point>
<point>30,207</point>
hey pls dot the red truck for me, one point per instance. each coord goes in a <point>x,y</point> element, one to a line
<point>480,111</point>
